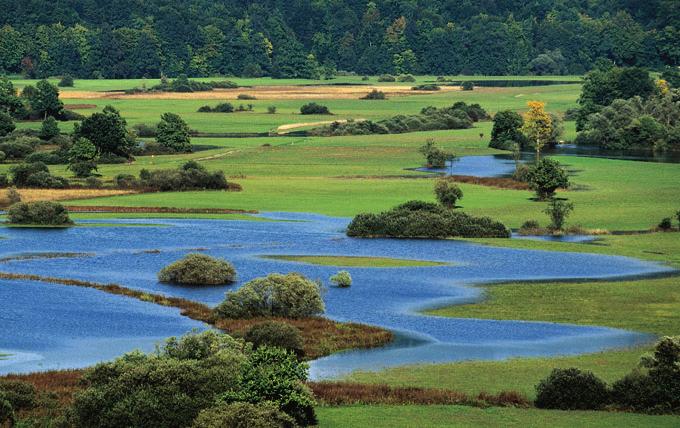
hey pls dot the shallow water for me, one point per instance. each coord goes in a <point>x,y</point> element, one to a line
<point>73,327</point>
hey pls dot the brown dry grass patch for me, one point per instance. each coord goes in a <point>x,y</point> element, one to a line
<point>31,195</point>
<point>155,210</point>
<point>282,92</point>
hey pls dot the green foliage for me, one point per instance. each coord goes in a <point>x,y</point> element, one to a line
<point>261,415</point>
<point>49,128</point>
<point>314,108</point>
<point>219,108</point>
<point>276,334</point>
<point>658,389</point>
<point>35,175</point>
<point>6,411</point>
<point>434,156</point>
<point>342,279</point>
<point>467,85</point>
<point>506,131</point>
<point>198,269</point>
<point>66,81</point>
<point>386,78</point>
<point>547,176</point>
<point>275,375</point>
<point>6,124</point>
<point>665,224</point>
<point>165,389</point>
<point>271,109</point>
<point>571,389</point>
<point>291,295</point>
<point>82,158</point>
<point>416,219</point>
<point>107,131</point>
<point>426,87</point>
<point>18,147</point>
<point>558,211</point>
<point>548,63</point>
<point>38,213</point>
<point>45,100</point>
<point>374,95</point>
<point>447,192</point>
<point>173,133</point>
<point>190,176</point>
<point>21,395</point>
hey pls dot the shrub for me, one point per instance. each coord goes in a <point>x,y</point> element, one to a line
<point>66,81</point>
<point>365,78</point>
<point>165,389</point>
<point>45,180</point>
<point>245,97</point>
<point>530,227</point>
<point>314,108</point>
<point>19,148</point>
<point>406,78</point>
<point>657,390</point>
<point>147,131</point>
<point>205,109</point>
<point>190,176</point>
<point>291,295</point>
<point>4,181</point>
<point>374,95</point>
<point>447,192</point>
<point>434,156</point>
<point>546,177</point>
<point>38,213</point>
<point>21,395</point>
<point>342,279</point>
<point>219,108</point>
<point>278,334</point>
<point>271,109</point>
<point>467,86</point>
<point>6,412</point>
<point>21,172</point>
<point>571,389</point>
<point>93,182</point>
<point>246,415</point>
<point>275,375</point>
<point>49,128</point>
<point>386,78</point>
<point>173,133</point>
<point>521,173</point>
<point>417,219</point>
<point>125,181</point>
<point>48,158</point>
<point>198,269</point>
<point>665,224</point>
<point>558,211</point>
<point>426,87</point>
<point>6,124</point>
<point>506,131</point>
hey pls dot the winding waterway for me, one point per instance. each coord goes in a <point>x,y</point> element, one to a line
<point>49,326</point>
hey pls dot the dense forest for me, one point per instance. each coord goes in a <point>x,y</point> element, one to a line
<point>302,38</point>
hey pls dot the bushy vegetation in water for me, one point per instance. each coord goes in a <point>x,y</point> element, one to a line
<point>417,219</point>
<point>198,269</point>
<point>290,295</point>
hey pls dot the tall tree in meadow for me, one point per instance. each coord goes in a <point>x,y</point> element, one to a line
<point>537,126</point>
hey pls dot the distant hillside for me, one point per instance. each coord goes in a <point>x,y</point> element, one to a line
<point>298,38</point>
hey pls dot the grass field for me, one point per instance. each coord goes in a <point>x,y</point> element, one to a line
<point>462,416</point>
<point>349,261</point>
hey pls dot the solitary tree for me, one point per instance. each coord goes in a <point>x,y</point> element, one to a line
<point>506,131</point>
<point>546,177</point>
<point>46,101</point>
<point>106,130</point>
<point>537,126</point>
<point>173,133</point>
<point>447,192</point>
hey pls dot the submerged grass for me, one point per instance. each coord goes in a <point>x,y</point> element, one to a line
<point>355,261</point>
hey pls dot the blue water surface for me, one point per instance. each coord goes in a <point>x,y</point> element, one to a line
<point>49,326</point>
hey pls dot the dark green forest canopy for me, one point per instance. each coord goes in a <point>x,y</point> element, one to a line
<point>303,38</point>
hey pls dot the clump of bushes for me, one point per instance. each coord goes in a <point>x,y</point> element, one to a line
<point>571,389</point>
<point>277,334</point>
<point>18,147</point>
<point>219,108</point>
<point>271,109</point>
<point>261,415</point>
<point>386,78</point>
<point>66,81</point>
<point>198,269</point>
<point>44,213</point>
<point>245,97</point>
<point>291,295</point>
<point>342,279</point>
<point>145,131</point>
<point>190,176</point>
<point>458,116</point>
<point>183,84</point>
<point>36,174</point>
<point>314,108</point>
<point>374,95</point>
<point>665,224</point>
<point>406,78</point>
<point>417,219</point>
<point>434,156</point>
<point>426,87</point>
<point>20,395</point>
<point>447,192</point>
<point>467,85</point>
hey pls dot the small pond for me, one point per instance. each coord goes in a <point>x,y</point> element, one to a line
<point>54,326</point>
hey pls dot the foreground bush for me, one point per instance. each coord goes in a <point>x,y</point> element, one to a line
<point>571,389</point>
<point>38,213</point>
<point>546,177</point>
<point>198,269</point>
<point>244,415</point>
<point>277,334</point>
<point>6,411</point>
<point>291,295</point>
<point>20,395</point>
<point>416,219</point>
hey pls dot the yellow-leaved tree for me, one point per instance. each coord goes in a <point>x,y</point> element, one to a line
<point>537,126</point>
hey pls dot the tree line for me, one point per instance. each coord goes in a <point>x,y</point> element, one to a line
<point>131,38</point>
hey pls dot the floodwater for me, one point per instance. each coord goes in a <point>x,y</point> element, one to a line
<point>48,326</point>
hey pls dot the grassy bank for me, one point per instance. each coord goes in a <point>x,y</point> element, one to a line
<point>350,261</point>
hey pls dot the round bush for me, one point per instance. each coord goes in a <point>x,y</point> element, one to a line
<point>314,108</point>
<point>665,224</point>
<point>342,279</point>
<point>291,295</point>
<point>447,192</point>
<point>38,213</point>
<point>246,415</point>
<point>198,269</point>
<point>546,177</point>
<point>571,389</point>
<point>276,333</point>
